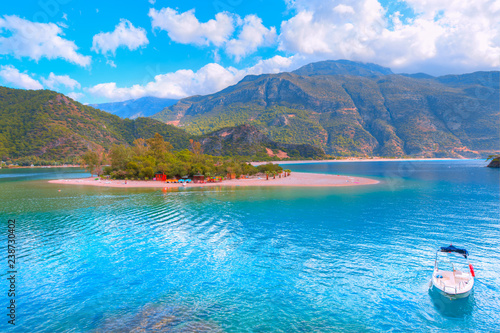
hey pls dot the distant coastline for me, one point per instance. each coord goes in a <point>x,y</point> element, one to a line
<point>41,166</point>
<point>353,159</point>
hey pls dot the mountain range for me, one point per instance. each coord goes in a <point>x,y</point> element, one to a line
<point>351,108</point>
<point>39,126</point>
<point>333,107</point>
<point>135,108</point>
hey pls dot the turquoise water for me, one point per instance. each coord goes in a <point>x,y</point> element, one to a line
<point>254,259</point>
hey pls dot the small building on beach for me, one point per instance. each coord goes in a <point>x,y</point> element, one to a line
<point>160,177</point>
<point>198,178</point>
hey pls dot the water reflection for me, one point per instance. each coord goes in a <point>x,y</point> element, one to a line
<point>453,308</point>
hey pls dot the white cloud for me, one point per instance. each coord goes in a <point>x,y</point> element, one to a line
<point>183,83</point>
<point>111,63</point>
<point>344,9</point>
<point>37,40</point>
<point>276,64</point>
<point>443,36</point>
<point>125,34</point>
<point>53,81</point>
<point>253,34</point>
<point>186,29</point>
<point>11,75</point>
<point>77,96</point>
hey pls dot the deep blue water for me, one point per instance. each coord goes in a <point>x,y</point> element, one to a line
<point>255,259</point>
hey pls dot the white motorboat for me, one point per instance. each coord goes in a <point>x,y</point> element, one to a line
<point>457,282</point>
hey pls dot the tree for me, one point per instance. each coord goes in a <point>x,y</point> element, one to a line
<point>195,148</point>
<point>492,157</point>
<point>119,156</point>
<point>92,162</point>
<point>140,147</point>
<point>158,147</point>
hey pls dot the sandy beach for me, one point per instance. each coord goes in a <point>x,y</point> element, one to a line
<point>296,179</point>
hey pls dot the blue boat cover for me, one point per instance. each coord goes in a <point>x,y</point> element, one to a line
<point>452,248</point>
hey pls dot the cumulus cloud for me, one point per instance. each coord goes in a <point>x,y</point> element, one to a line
<point>11,75</point>
<point>253,34</point>
<point>443,36</point>
<point>183,83</point>
<point>125,35</point>
<point>54,81</point>
<point>23,38</point>
<point>186,29</point>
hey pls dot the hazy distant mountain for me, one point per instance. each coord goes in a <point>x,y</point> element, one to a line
<point>351,108</point>
<point>342,67</point>
<point>134,108</point>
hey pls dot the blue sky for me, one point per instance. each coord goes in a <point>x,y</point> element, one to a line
<point>116,50</point>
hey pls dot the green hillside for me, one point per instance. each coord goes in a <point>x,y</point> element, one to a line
<point>44,126</point>
<point>52,126</point>
<point>246,140</point>
<point>370,111</point>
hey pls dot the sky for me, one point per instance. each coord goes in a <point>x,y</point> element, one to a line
<point>105,51</point>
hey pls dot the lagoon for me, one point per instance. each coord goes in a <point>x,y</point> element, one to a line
<point>256,259</point>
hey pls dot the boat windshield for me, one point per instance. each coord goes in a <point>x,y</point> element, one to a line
<point>451,261</point>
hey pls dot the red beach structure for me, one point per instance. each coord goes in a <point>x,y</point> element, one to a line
<point>160,177</point>
<point>198,178</point>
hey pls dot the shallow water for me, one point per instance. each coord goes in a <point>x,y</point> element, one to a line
<point>254,259</point>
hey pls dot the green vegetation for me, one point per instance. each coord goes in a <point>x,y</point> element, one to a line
<point>148,157</point>
<point>250,143</point>
<point>495,161</point>
<point>92,162</point>
<point>229,117</point>
<point>45,127</point>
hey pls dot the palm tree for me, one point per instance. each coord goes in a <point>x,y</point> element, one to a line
<point>287,172</point>
<point>267,175</point>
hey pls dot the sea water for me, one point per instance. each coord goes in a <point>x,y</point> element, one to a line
<point>256,259</point>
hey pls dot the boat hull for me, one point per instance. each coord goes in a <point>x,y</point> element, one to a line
<point>448,292</point>
<point>451,295</point>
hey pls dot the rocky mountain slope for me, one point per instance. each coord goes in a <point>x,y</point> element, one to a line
<point>349,108</point>
<point>247,140</point>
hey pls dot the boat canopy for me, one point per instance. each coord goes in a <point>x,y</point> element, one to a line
<point>452,248</point>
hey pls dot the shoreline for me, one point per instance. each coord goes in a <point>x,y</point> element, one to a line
<point>361,160</point>
<point>296,179</point>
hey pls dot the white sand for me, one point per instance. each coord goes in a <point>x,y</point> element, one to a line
<point>296,179</point>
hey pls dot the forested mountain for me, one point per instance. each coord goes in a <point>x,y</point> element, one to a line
<point>48,126</point>
<point>52,126</point>
<point>247,140</point>
<point>350,108</point>
<point>135,108</point>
